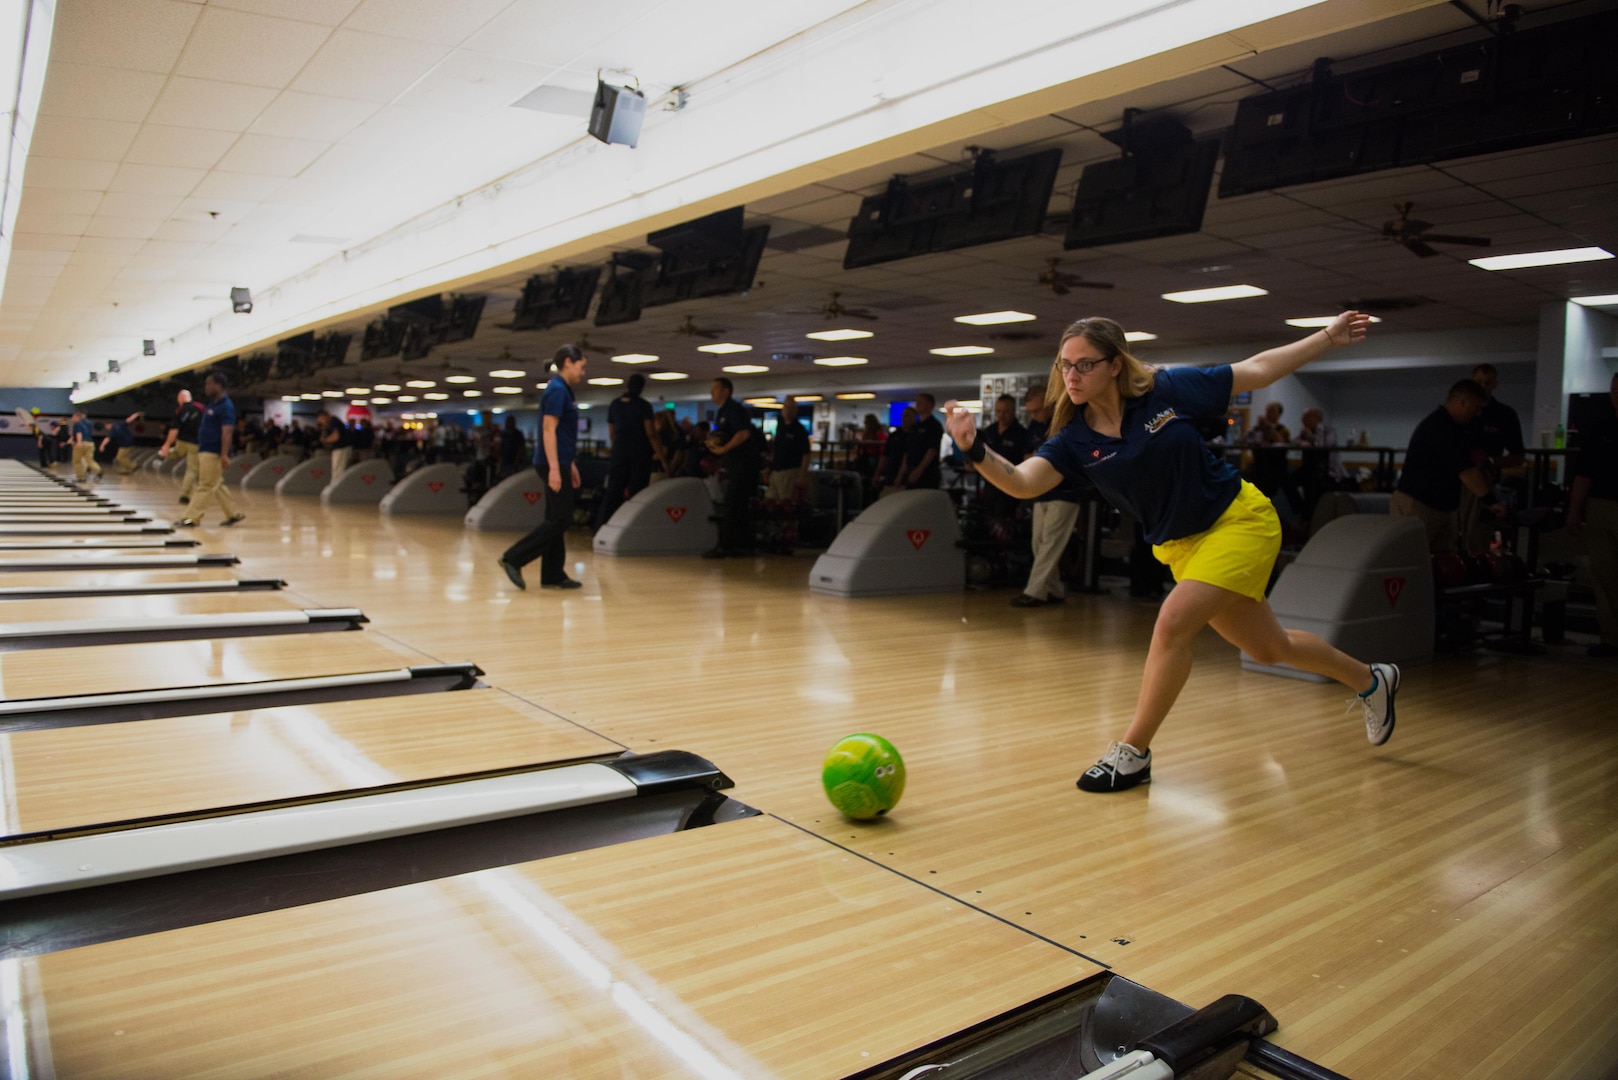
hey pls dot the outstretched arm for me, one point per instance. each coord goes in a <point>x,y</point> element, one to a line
<point>1259,371</point>
<point>1035,476</point>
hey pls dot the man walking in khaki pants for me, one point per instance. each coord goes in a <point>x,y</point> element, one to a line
<point>182,441</point>
<point>213,453</point>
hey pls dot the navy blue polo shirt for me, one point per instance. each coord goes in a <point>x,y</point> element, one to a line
<point>790,447</point>
<point>1069,490</point>
<point>1159,469</point>
<point>122,437</point>
<point>216,416</point>
<point>84,429</point>
<point>558,402</point>
<point>731,418</point>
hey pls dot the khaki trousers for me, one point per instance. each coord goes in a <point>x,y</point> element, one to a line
<point>1053,527</point>
<point>211,486</point>
<point>783,485</point>
<point>187,452</point>
<point>84,460</point>
<point>1440,524</point>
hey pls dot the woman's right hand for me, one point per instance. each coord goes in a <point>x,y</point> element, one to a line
<point>960,425</point>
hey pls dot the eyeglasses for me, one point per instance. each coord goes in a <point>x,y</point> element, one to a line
<point>1083,367</point>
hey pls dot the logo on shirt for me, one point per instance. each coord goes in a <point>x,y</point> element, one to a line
<point>1159,422</point>
<point>1100,458</point>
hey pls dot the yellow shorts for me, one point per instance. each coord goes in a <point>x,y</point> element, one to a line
<point>1237,552</point>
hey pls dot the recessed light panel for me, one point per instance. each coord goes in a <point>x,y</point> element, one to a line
<point>1541,258</point>
<point>358,391</point>
<point>841,361</point>
<point>840,335</point>
<point>722,347</point>
<point>807,397</point>
<point>504,390</point>
<point>668,376</point>
<point>1318,321</point>
<point>860,395</point>
<point>421,384</point>
<point>1610,300</point>
<point>995,318</point>
<point>962,350</point>
<point>508,373</point>
<point>604,381</point>
<point>331,393</point>
<point>1139,335</point>
<point>387,387</point>
<point>458,380</point>
<point>466,393</point>
<point>745,369</point>
<point>1223,292</point>
<point>436,397</point>
<point>635,358</point>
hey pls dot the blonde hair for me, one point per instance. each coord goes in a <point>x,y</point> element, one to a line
<point>1135,379</point>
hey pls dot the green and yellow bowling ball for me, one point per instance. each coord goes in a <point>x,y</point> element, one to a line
<point>863,776</point>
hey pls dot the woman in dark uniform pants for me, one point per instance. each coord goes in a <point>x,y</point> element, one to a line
<point>554,460</point>
<point>1128,430</point>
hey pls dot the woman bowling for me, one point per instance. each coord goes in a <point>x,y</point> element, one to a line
<point>1127,429</point>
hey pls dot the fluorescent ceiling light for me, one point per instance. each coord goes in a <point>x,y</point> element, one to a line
<point>962,350</point>
<point>606,382</point>
<point>971,406</point>
<point>840,335</point>
<point>1318,321</point>
<point>858,396</point>
<point>310,397</point>
<point>381,401</point>
<point>1139,335</point>
<point>1223,292</point>
<point>745,369</point>
<point>358,391</point>
<point>408,397</point>
<point>358,401</point>
<point>421,384</point>
<point>508,373</point>
<point>635,358</point>
<point>763,403</point>
<point>994,318</point>
<point>436,397</point>
<point>668,376</point>
<point>504,390</point>
<point>471,393</point>
<point>387,387</point>
<point>291,397</point>
<point>1597,301</point>
<point>807,397</point>
<point>1541,258</point>
<point>458,380</point>
<point>724,347</point>
<point>331,393</point>
<point>841,361</point>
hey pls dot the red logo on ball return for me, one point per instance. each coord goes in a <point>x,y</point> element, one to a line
<point>435,486</point>
<point>675,513</point>
<point>1393,586</point>
<point>531,496</point>
<point>918,537</point>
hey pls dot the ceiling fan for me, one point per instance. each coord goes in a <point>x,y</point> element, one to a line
<point>833,310</point>
<point>1061,284</point>
<point>690,329</point>
<point>1415,238</point>
<point>591,347</point>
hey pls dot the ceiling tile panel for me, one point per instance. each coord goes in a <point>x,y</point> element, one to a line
<point>117,227</point>
<point>238,47</point>
<point>476,84</point>
<point>294,115</point>
<point>127,205</point>
<point>546,32</point>
<point>269,155</point>
<point>321,12</point>
<point>182,147</point>
<point>60,201</point>
<point>424,20</point>
<point>32,241</point>
<point>98,140</point>
<point>207,103</point>
<point>155,180</point>
<point>367,67</point>
<point>141,35</point>
<point>62,224</point>
<point>48,172</point>
<point>238,187</point>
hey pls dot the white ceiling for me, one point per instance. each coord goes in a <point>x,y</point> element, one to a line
<point>288,127</point>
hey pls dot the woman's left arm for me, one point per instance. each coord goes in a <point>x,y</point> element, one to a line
<point>1259,371</point>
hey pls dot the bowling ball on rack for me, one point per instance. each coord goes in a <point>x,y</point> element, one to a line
<point>1449,571</point>
<point>863,776</point>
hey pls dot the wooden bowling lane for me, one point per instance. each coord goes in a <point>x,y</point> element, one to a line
<point>98,775</point>
<point>14,612</point>
<point>64,586</point>
<point>152,544</point>
<point>112,669</point>
<point>746,949</point>
<point>72,560</point>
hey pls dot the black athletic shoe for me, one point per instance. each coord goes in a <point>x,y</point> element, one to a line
<point>234,518</point>
<point>514,573</point>
<point>565,583</point>
<point>1120,768</point>
<point>185,500</point>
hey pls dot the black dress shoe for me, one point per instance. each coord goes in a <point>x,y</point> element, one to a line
<point>514,573</point>
<point>565,583</point>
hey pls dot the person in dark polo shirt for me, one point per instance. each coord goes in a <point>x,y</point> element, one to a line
<point>1438,463</point>
<point>629,425</point>
<point>788,480</point>
<point>736,443</point>
<point>554,461</point>
<point>1006,436</point>
<point>1593,511</point>
<point>1496,447</point>
<point>921,468</point>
